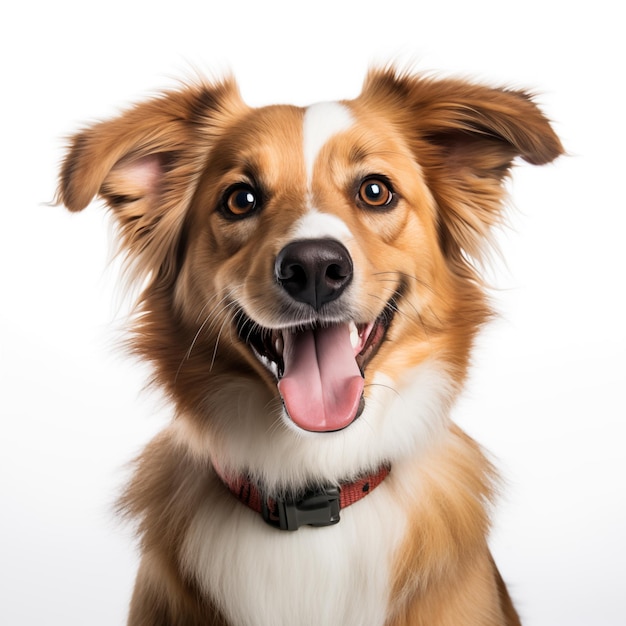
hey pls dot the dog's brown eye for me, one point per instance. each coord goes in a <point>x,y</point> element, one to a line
<point>240,201</point>
<point>375,192</point>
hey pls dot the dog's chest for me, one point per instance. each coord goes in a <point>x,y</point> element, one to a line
<point>259,576</point>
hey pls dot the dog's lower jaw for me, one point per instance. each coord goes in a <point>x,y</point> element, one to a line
<point>248,433</point>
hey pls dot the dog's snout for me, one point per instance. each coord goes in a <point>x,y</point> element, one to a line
<point>314,271</point>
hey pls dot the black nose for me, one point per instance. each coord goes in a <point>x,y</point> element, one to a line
<point>314,271</point>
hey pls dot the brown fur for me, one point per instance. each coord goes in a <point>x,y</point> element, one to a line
<point>445,570</point>
<point>161,167</point>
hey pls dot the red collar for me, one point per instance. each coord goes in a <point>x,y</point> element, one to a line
<point>313,507</point>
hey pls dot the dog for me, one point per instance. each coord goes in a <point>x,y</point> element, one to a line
<point>310,294</point>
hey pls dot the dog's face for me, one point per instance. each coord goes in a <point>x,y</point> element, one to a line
<point>321,232</point>
<point>310,291</point>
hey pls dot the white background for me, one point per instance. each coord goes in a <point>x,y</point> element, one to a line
<point>547,393</point>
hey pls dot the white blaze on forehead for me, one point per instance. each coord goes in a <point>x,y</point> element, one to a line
<point>322,121</point>
<point>316,225</point>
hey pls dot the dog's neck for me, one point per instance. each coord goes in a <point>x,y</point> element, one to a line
<point>319,506</point>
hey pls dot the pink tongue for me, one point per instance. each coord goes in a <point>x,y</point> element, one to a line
<point>322,384</point>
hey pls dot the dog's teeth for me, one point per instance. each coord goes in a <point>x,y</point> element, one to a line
<point>354,335</point>
<point>279,345</point>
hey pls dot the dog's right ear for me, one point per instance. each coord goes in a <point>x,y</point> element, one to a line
<point>145,165</point>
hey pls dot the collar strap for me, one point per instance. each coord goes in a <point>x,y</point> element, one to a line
<point>314,507</point>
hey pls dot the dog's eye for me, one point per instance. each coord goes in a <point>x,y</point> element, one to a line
<point>375,192</point>
<point>240,201</point>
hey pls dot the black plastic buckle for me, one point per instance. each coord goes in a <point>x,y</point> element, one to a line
<point>315,508</point>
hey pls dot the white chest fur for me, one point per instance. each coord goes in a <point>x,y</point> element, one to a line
<point>259,576</point>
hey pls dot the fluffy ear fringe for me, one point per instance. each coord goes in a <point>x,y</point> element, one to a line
<point>465,137</point>
<point>145,165</point>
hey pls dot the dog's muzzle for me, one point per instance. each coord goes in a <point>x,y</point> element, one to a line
<point>319,355</point>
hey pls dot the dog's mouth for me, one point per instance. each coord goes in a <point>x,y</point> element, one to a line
<point>319,368</point>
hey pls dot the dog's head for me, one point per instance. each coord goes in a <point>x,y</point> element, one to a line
<point>309,268</point>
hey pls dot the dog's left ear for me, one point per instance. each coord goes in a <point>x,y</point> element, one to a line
<point>465,138</point>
